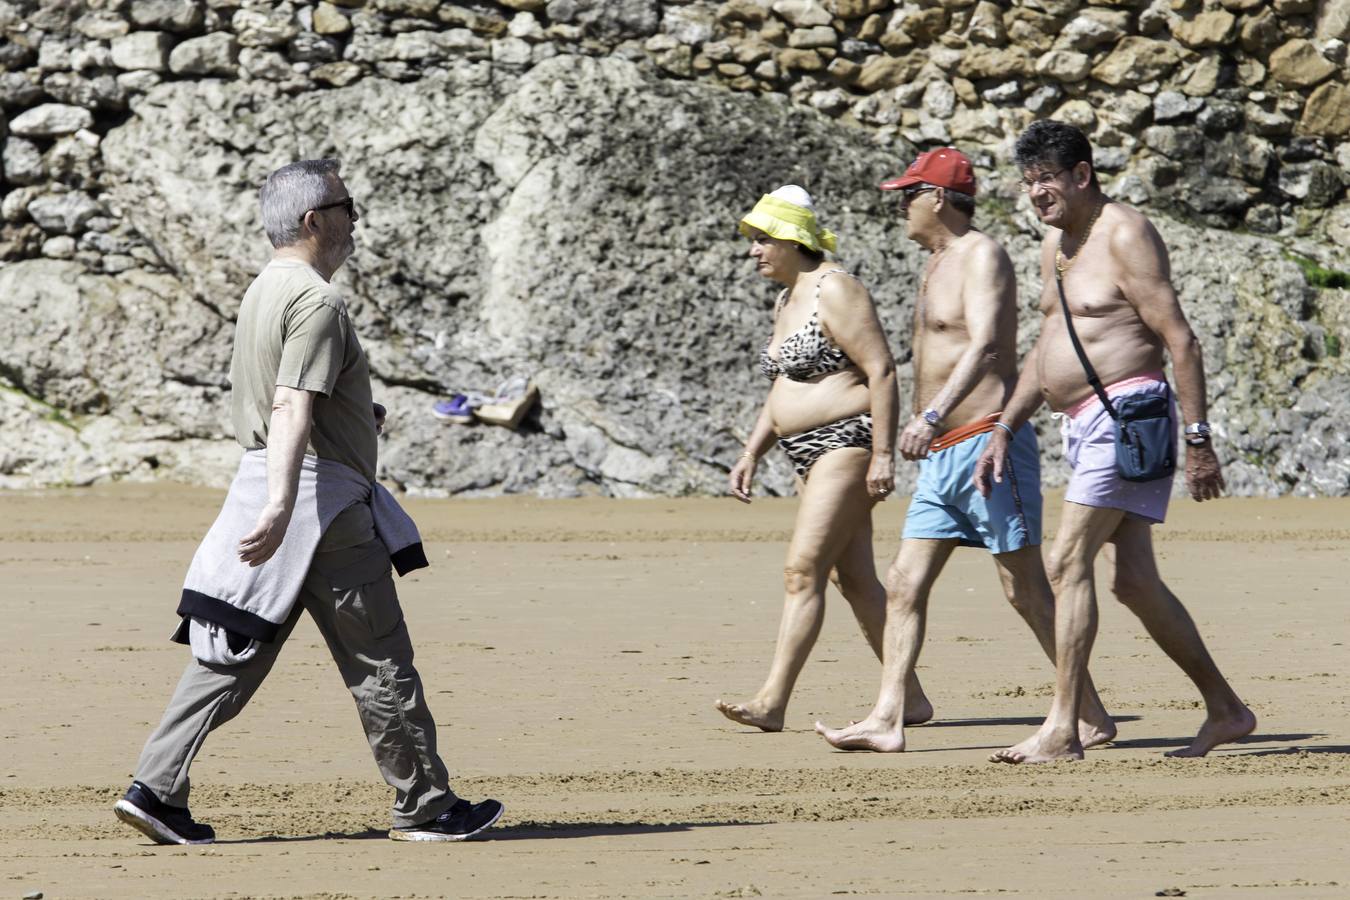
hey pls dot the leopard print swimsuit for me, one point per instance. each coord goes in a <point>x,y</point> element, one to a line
<point>803,355</point>
<point>806,353</point>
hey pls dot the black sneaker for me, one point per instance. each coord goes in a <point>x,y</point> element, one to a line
<point>460,822</point>
<point>162,823</point>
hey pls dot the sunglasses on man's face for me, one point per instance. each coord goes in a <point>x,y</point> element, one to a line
<point>346,202</point>
<point>908,194</point>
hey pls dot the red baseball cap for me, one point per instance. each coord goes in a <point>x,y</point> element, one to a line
<point>944,167</point>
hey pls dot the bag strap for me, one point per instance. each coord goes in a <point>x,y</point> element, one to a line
<point>1078,348</point>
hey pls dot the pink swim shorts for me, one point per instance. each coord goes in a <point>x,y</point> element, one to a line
<point>1090,448</point>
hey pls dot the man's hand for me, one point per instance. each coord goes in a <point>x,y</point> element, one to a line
<point>379,417</point>
<point>881,475</point>
<point>916,437</point>
<point>265,539</point>
<point>1204,476</point>
<point>741,477</point>
<point>989,467</point>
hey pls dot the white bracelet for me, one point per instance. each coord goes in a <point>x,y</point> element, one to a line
<point>1005,428</point>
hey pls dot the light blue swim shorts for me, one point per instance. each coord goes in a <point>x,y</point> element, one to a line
<point>947,506</point>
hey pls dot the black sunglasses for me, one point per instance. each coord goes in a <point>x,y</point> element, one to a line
<point>346,202</point>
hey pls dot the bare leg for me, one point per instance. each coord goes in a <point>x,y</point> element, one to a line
<point>1082,532</point>
<point>855,575</point>
<point>1027,587</point>
<point>1138,585</point>
<point>834,503</point>
<point>908,583</point>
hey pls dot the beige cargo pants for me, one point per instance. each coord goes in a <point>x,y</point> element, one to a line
<point>350,594</point>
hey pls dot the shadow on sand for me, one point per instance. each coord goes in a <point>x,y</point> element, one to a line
<point>1177,742</point>
<point>531,831</point>
<point>1030,721</point>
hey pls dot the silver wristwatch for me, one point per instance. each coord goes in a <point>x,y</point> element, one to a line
<point>1197,434</point>
<point>932,417</point>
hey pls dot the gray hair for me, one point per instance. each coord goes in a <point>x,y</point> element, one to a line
<point>292,191</point>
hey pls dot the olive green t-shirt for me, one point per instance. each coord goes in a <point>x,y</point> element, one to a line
<point>294,331</point>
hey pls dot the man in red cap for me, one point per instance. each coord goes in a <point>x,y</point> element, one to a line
<point>965,368</point>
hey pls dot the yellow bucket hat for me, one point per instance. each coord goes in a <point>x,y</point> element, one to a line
<point>788,214</point>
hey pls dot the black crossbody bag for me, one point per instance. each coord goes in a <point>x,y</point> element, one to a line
<point>1146,438</point>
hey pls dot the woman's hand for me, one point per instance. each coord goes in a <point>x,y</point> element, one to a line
<point>742,476</point>
<point>881,475</point>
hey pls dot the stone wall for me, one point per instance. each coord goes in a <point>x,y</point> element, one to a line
<point>551,187</point>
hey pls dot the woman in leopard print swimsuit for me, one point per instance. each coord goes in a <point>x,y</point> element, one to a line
<point>833,407</point>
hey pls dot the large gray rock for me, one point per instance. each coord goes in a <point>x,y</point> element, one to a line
<point>575,223</point>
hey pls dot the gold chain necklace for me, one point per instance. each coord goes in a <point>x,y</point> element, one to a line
<point>1064,263</point>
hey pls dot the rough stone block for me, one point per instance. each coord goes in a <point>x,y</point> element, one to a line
<point>168,15</point>
<point>1314,183</point>
<point>1333,21</point>
<point>986,25</point>
<point>211,54</point>
<point>1204,78</point>
<point>1169,105</point>
<point>811,38</point>
<point>923,25</point>
<point>882,72</point>
<point>1327,111</point>
<point>511,52</point>
<point>1212,28</point>
<point>310,47</point>
<point>147,50</point>
<point>1066,66</point>
<point>259,28</point>
<point>51,120</point>
<point>265,65</point>
<point>1175,142</point>
<point>1078,113</point>
<point>101,25</point>
<point>21,162</point>
<point>1298,63</point>
<point>994,62</point>
<point>802,13</point>
<point>337,74</point>
<point>1136,60</point>
<point>1259,31</point>
<point>801,61</point>
<point>328,19</point>
<point>63,213</point>
<point>692,25</point>
<point>747,11</point>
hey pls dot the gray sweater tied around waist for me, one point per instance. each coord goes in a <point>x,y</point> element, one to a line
<point>229,606</point>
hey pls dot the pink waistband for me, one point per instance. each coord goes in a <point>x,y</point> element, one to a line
<point>1119,387</point>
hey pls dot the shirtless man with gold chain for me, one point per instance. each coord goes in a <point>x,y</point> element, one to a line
<point>965,358</point>
<point>1117,286</point>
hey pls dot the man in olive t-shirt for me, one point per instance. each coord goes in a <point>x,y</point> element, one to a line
<point>301,386</point>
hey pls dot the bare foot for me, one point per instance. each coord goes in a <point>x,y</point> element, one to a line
<point>753,714</point>
<point>868,734</point>
<point>1042,747</point>
<point>1218,731</point>
<point>917,713</point>
<point>1094,734</point>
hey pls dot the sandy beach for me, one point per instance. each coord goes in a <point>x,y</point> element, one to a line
<point>572,651</point>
